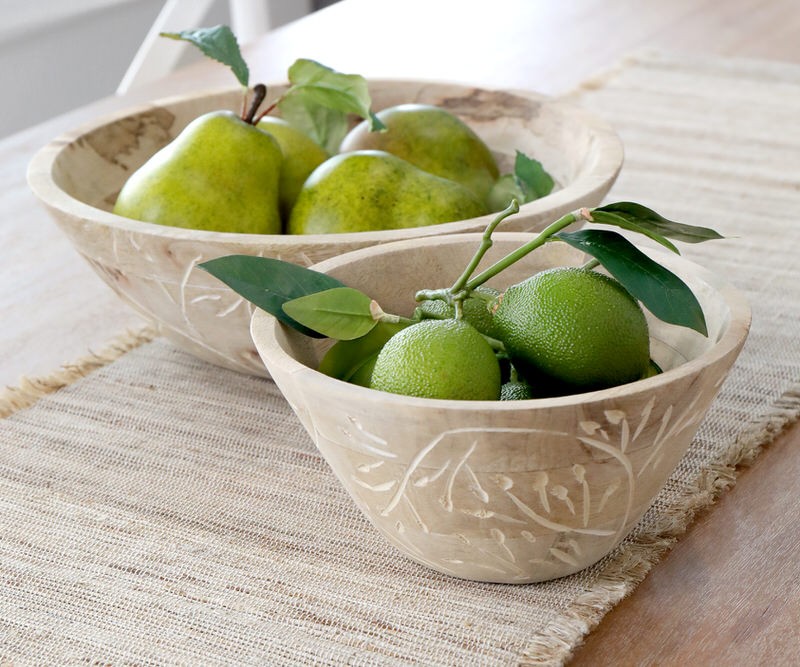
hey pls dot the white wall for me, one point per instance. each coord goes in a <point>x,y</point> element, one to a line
<point>56,55</point>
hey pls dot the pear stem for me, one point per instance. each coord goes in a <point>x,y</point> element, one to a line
<point>259,93</point>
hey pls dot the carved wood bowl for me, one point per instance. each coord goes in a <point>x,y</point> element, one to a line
<point>152,267</point>
<point>504,491</point>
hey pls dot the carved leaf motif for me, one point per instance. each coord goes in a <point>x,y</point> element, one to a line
<point>541,502</point>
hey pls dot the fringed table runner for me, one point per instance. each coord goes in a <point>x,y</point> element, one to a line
<point>160,510</point>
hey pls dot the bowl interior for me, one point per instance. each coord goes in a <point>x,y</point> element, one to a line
<point>581,152</point>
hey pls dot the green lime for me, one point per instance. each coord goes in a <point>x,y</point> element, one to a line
<point>515,390</point>
<point>438,359</point>
<point>579,329</point>
<point>476,309</point>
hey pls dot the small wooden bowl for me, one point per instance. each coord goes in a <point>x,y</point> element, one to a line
<point>512,491</point>
<point>152,267</point>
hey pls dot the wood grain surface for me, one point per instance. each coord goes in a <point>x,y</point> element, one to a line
<point>728,592</point>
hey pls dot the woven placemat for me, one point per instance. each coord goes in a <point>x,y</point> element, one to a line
<point>160,510</point>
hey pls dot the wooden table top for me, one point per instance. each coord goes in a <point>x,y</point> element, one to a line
<point>55,310</point>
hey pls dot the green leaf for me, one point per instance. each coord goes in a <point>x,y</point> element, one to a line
<point>346,357</point>
<point>662,292</point>
<point>637,218</point>
<point>325,126</point>
<point>345,92</point>
<point>218,43</point>
<point>269,283</point>
<point>315,86</point>
<point>343,313</point>
<point>534,181</point>
<point>528,182</point>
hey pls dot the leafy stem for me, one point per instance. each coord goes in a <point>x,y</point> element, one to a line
<point>379,315</point>
<point>434,294</point>
<point>486,243</point>
<point>459,291</point>
<point>319,305</point>
<point>497,345</point>
<point>540,239</point>
<point>396,319</point>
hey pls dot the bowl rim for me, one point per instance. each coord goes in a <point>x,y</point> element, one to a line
<point>609,149</point>
<point>263,327</point>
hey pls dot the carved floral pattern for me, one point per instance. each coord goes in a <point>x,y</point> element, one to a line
<point>517,522</point>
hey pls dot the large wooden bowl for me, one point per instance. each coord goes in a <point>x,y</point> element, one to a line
<point>512,491</point>
<point>152,267</point>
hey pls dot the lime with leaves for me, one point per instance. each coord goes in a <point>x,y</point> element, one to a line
<point>576,327</point>
<point>564,330</point>
<point>446,359</point>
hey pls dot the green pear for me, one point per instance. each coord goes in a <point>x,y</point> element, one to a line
<point>301,155</point>
<point>433,139</point>
<point>220,174</point>
<point>373,190</point>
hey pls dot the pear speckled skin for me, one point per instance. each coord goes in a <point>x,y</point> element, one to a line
<point>372,190</point>
<point>433,139</point>
<point>301,155</point>
<point>219,174</point>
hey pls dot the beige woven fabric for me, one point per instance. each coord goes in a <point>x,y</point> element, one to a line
<point>164,511</point>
